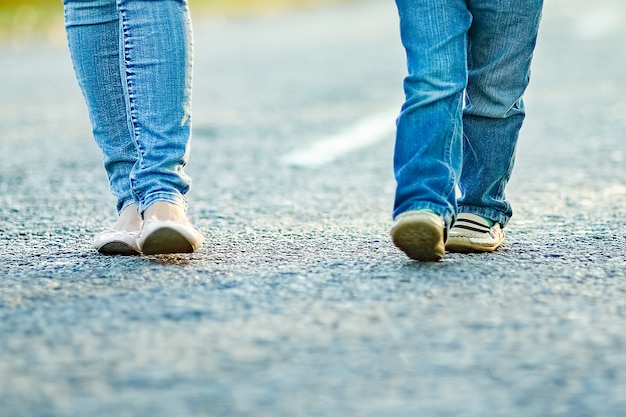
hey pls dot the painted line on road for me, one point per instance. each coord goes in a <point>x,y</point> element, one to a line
<point>365,133</point>
<point>599,23</point>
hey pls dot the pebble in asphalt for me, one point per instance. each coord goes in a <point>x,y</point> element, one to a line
<point>298,304</point>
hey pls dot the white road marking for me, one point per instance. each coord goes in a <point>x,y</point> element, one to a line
<point>599,23</point>
<point>364,133</point>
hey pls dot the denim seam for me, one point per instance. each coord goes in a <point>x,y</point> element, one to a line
<point>126,73</point>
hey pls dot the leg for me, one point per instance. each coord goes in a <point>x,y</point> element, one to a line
<point>93,37</point>
<point>133,62</point>
<point>427,156</point>
<point>157,67</point>
<point>501,43</point>
<point>156,51</point>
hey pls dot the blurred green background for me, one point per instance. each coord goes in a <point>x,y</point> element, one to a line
<point>27,19</point>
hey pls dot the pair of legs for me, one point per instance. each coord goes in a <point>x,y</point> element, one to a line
<point>133,61</point>
<point>468,67</point>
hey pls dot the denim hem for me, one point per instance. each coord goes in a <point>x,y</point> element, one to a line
<point>175,198</point>
<point>446,215</point>
<point>491,214</point>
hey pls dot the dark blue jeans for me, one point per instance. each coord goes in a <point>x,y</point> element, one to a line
<point>468,67</point>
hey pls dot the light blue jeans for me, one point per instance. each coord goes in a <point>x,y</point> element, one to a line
<point>133,61</point>
<point>468,67</point>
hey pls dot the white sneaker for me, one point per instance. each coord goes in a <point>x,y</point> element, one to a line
<point>164,237</point>
<point>419,234</point>
<point>472,233</point>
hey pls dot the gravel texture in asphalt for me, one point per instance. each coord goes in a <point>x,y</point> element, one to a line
<point>298,304</point>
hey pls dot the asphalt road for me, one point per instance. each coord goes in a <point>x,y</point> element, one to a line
<point>298,304</point>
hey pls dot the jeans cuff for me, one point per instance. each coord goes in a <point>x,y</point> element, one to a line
<point>444,213</point>
<point>491,214</point>
<point>174,198</point>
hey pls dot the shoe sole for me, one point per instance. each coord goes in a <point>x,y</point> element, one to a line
<point>421,240</point>
<point>118,248</point>
<point>166,241</point>
<point>460,246</point>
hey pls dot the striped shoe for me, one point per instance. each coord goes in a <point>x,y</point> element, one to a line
<point>472,233</point>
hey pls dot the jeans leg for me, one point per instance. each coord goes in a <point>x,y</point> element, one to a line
<point>93,37</point>
<point>157,67</point>
<point>501,43</point>
<point>427,157</point>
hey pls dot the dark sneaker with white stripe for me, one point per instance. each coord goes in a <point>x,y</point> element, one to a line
<point>472,233</point>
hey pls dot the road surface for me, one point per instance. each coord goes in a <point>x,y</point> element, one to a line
<point>298,304</point>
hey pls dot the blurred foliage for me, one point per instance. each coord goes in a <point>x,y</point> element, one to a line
<point>23,19</point>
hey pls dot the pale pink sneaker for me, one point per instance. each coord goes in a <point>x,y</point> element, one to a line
<point>116,242</point>
<point>121,238</point>
<point>160,237</point>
